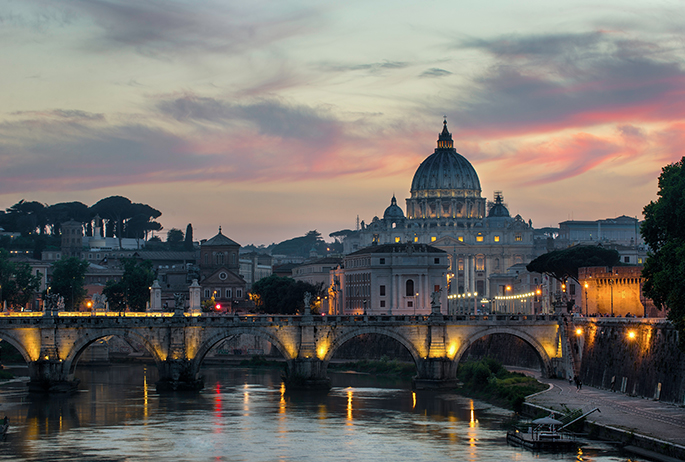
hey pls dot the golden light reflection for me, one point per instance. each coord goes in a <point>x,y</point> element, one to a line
<point>145,402</point>
<point>281,404</point>
<point>413,399</point>
<point>472,432</point>
<point>452,350</point>
<point>322,350</point>
<point>579,456</point>
<point>349,406</point>
<point>246,398</point>
<point>323,412</point>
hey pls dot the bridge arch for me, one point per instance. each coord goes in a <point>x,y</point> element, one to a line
<point>210,342</point>
<point>28,356</point>
<point>356,332</point>
<point>545,360</point>
<point>84,342</point>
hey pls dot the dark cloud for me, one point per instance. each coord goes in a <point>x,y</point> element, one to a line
<point>541,84</point>
<point>272,118</point>
<point>370,67</point>
<point>70,114</point>
<point>435,72</point>
<point>165,27</point>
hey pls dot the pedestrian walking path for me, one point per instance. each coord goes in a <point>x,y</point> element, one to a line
<point>655,419</point>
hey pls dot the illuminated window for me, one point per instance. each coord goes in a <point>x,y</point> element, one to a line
<point>479,238</point>
<point>518,237</point>
<point>397,239</point>
<point>496,238</point>
<point>461,265</point>
<point>433,238</point>
<point>639,260</point>
<point>480,263</point>
<point>460,238</point>
<point>416,238</point>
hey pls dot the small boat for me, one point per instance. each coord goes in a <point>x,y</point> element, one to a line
<point>546,434</point>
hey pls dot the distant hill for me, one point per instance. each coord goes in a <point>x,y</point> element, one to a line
<point>298,246</point>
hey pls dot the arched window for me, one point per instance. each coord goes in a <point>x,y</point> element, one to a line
<point>410,288</point>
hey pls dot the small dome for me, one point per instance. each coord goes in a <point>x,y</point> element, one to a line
<point>393,212</point>
<point>445,169</point>
<point>498,209</point>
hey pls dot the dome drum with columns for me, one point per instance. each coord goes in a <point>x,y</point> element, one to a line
<point>445,209</point>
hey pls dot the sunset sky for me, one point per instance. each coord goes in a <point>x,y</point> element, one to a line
<point>273,118</point>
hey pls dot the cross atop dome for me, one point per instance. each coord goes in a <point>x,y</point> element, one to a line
<point>445,138</point>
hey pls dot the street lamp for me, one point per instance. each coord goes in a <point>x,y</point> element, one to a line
<point>416,299</point>
<point>586,287</point>
<point>611,285</point>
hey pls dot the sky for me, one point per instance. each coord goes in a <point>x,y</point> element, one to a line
<point>274,118</point>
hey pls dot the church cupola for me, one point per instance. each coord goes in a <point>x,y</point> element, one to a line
<point>445,138</point>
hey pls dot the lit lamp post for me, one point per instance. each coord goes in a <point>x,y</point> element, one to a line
<point>586,287</point>
<point>507,302</point>
<point>416,299</point>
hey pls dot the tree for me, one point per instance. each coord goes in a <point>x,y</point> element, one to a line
<point>563,264</point>
<point>664,232</point>
<point>188,242</point>
<point>68,276</point>
<point>134,288</point>
<point>114,209</point>
<point>174,238</point>
<point>17,282</point>
<point>279,295</point>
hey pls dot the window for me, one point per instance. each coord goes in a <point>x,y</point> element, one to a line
<point>207,294</point>
<point>206,258</point>
<point>410,303</point>
<point>416,238</point>
<point>626,260</point>
<point>639,260</point>
<point>436,288</point>
<point>382,303</point>
<point>217,293</point>
<point>382,291</point>
<point>460,238</point>
<point>479,238</point>
<point>572,289</point>
<point>397,239</point>
<point>239,293</point>
<point>433,238</point>
<point>518,237</point>
<point>480,263</point>
<point>496,238</point>
<point>436,261</point>
<point>382,261</point>
<point>461,265</point>
<point>409,288</point>
<point>229,293</point>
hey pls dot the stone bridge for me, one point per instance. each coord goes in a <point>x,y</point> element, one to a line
<point>52,343</point>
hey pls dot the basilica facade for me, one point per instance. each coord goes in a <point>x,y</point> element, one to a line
<point>446,210</point>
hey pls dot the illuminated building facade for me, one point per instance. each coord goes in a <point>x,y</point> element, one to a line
<point>445,210</point>
<point>220,272</point>
<point>394,279</point>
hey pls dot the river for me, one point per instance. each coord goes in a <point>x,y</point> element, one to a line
<point>247,415</point>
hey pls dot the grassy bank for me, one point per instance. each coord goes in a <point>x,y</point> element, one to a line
<point>383,366</point>
<point>488,380</point>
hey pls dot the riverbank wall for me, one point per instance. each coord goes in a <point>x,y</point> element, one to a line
<point>638,357</point>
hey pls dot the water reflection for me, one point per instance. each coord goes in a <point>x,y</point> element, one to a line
<point>248,415</point>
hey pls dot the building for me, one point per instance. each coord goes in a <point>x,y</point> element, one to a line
<point>255,266</point>
<point>394,279</point>
<point>614,291</point>
<point>220,272</point>
<point>621,230</point>
<point>315,272</point>
<point>446,210</point>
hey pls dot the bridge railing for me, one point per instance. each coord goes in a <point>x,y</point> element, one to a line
<point>213,318</point>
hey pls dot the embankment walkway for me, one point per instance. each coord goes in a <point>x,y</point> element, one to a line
<point>653,419</point>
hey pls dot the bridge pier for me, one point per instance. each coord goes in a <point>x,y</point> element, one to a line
<point>178,375</point>
<point>435,373</point>
<point>306,374</point>
<point>50,376</point>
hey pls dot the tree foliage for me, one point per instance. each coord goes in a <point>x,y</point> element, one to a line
<point>563,264</point>
<point>279,295</point>
<point>134,288</point>
<point>17,282</point>
<point>664,232</point>
<point>68,276</point>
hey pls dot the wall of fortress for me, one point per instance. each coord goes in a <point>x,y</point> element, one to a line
<point>650,364</point>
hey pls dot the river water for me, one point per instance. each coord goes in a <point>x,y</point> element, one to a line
<point>246,415</point>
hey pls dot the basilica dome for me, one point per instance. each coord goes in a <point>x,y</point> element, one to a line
<point>393,212</point>
<point>445,172</point>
